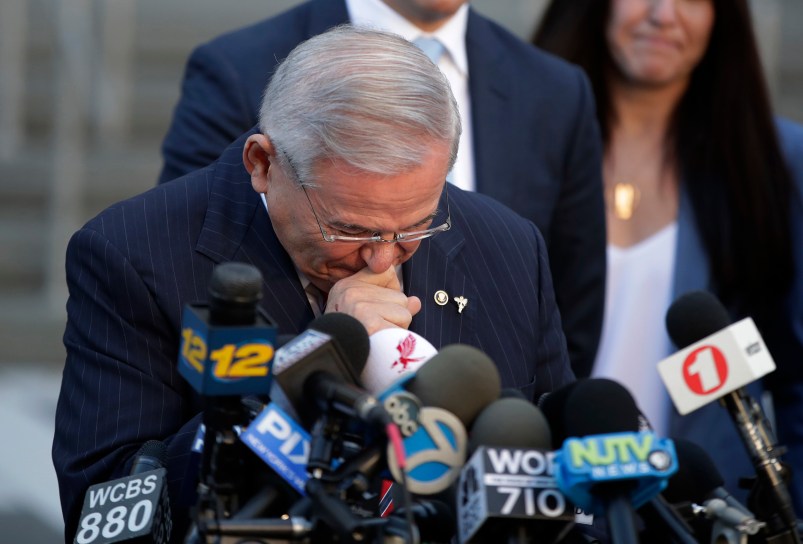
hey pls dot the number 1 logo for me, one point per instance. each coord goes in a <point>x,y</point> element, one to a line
<point>705,370</point>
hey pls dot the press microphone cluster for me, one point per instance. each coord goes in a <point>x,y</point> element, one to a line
<point>324,438</point>
<point>335,436</point>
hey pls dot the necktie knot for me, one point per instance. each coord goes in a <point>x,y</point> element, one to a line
<point>432,47</point>
<point>317,299</point>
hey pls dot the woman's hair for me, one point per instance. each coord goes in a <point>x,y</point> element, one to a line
<point>724,140</point>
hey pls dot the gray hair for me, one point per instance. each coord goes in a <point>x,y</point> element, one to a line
<point>369,98</point>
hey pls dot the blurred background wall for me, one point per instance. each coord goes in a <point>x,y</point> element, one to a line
<point>87,89</point>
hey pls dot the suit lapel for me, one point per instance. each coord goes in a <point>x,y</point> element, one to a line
<point>432,269</point>
<point>490,75</point>
<point>237,228</point>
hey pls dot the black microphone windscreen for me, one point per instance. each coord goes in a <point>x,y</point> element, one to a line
<point>152,455</point>
<point>460,379</point>
<point>697,476</point>
<point>693,316</point>
<point>350,336</point>
<point>156,449</point>
<point>587,407</point>
<point>234,290</point>
<point>236,282</point>
<point>510,423</point>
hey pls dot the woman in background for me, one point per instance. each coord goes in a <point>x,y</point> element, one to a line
<point>703,191</point>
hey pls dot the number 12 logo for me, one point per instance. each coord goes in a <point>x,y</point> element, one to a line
<point>705,370</point>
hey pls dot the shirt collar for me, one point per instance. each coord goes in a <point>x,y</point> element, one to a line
<point>378,15</point>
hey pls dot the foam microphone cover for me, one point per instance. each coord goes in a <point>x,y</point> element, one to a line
<point>697,476</point>
<point>460,379</point>
<point>510,423</point>
<point>588,407</point>
<point>349,335</point>
<point>234,290</point>
<point>693,316</point>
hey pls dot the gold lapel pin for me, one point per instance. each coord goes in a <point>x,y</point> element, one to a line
<point>461,303</point>
<point>441,298</point>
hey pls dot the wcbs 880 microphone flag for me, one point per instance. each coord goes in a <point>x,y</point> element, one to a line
<point>133,509</point>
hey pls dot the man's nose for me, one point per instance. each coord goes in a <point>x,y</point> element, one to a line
<point>378,256</point>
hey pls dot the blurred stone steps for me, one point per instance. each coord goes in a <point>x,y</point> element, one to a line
<point>31,322</point>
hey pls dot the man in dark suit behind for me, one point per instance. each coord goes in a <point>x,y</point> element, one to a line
<point>342,187</point>
<point>530,138</point>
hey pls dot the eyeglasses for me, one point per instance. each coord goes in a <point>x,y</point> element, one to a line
<point>376,237</point>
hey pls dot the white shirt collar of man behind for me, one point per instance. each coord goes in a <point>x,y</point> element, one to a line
<point>453,63</point>
<point>378,15</point>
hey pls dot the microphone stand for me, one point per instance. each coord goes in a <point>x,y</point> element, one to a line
<point>217,496</point>
<point>621,522</point>
<point>769,498</point>
<point>659,512</point>
<point>324,515</point>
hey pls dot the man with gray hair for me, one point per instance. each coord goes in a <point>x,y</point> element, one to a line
<point>530,138</point>
<point>343,189</point>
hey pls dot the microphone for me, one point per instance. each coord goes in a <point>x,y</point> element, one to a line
<point>320,369</point>
<point>226,352</point>
<point>461,379</point>
<point>283,444</point>
<point>131,509</point>
<point>716,360</point>
<point>510,422</point>
<point>312,373</point>
<point>395,352</point>
<point>696,490</point>
<point>432,408</point>
<point>698,479</point>
<point>605,464</point>
<point>228,344</point>
<point>507,490</point>
<point>589,406</point>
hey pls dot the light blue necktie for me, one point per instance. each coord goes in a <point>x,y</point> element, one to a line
<point>432,47</point>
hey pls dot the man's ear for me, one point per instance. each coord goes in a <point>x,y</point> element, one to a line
<point>258,155</point>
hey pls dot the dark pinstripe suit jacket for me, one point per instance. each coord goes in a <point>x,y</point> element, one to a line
<point>131,270</point>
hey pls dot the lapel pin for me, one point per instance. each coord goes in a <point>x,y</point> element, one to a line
<point>461,303</point>
<point>441,298</point>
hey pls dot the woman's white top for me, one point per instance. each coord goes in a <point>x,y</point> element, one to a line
<point>634,337</point>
